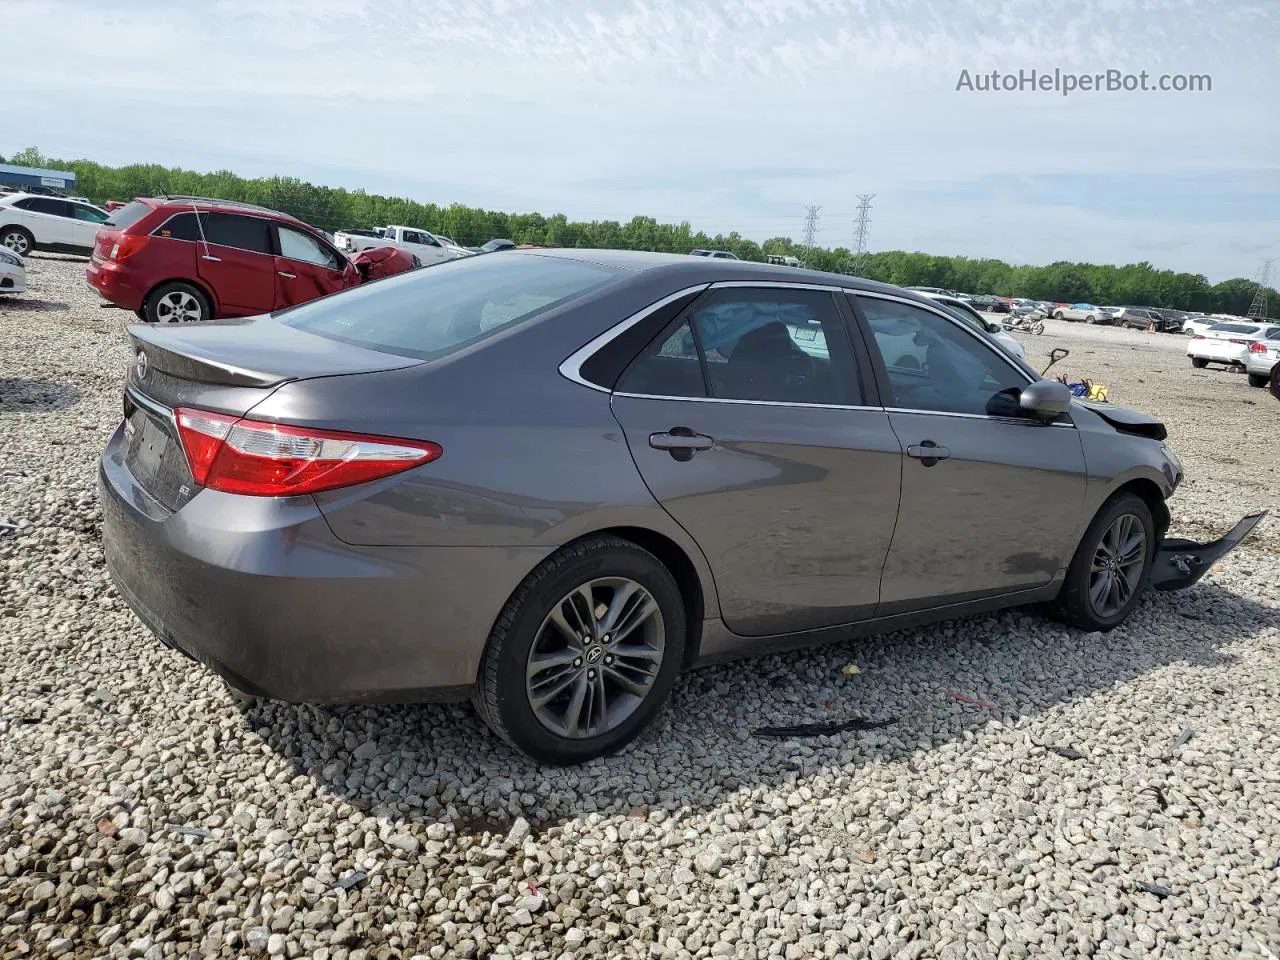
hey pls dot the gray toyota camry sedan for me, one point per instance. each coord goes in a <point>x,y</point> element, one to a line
<point>550,481</point>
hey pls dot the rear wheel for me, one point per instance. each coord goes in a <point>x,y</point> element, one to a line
<point>1037,328</point>
<point>584,653</point>
<point>1110,567</point>
<point>1199,362</point>
<point>17,239</point>
<point>1258,380</point>
<point>177,302</point>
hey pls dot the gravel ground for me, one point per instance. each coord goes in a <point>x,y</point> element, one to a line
<point>1054,811</point>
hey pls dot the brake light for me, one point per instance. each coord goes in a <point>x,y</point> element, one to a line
<point>126,246</point>
<point>1257,347</point>
<point>1235,340</point>
<point>259,459</point>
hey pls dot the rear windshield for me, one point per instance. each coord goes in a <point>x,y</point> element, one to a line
<point>128,215</point>
<point>1235,328</point>
<point>427,313</point>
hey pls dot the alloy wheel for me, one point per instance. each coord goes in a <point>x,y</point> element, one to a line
<point>595,658</point>
<point>17,242</point>
<point>179,306</point>
<point>1118,561</point>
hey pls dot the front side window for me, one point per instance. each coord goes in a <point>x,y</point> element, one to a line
<point>88,214</point>
<point>935,365</point>
<point>428,313</point>
<point>233,230</point>
<point>296,245</point>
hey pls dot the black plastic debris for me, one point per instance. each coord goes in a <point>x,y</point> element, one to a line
<point>1156,890</point>
<point>1159,794</point>
<point>823,729</point>
<point>1068,753</point>
<point>352,879</point>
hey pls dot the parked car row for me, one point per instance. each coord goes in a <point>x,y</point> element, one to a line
<point>1251,346</point>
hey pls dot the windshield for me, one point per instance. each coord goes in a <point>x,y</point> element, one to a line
<point>1235,328</point>
<point>428,313</point>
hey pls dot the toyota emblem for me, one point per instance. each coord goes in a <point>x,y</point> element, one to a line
<point>140,365</point>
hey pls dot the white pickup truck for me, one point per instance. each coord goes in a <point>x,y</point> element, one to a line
<point>428,247</point>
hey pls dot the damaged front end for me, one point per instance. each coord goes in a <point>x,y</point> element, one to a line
<point>1181,563</point>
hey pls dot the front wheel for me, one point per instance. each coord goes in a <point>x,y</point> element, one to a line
<point>177,302</point>
<point>585,652</point>
<point>1258,380</point>
<point>1111,565</point>
<point>1199,362</point>
<point>1037,328</point>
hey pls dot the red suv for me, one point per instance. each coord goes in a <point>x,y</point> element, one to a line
<point>178,259</point>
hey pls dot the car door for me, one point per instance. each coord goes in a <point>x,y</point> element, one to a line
<point>427,248</point>
<point>990,499</point>
<point>86,221</point>
<point>307,268</point>
<point>49,220</point>
<point>237,260</point>
<point>748,422</point>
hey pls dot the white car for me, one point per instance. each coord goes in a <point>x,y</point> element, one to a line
<point>1199,323</point>
<point>1261,359</point>
<point>30,221</point>
<point>970,316</point>
<point>1228,343</point>
<point>426,246</point>
<point>13,272</point>
<point>1082,311</point>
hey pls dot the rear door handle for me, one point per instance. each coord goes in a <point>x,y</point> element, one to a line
<point>681,442</point>
<point>287,276</point>
<point>927,452</point>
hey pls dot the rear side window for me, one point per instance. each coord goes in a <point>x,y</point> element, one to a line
<point>428,313</point>
<point>57,208</point>
<point>243,233</point>
<point>669,367</point>
<point>183,226</point>
<point>129,214</point>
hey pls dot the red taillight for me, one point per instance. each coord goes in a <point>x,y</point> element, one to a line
<point>126,246</point>
<point>260,459</point>
<point>1257,347</point>
<point>1234,340</point>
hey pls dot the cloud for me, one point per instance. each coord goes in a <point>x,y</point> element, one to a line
<point>730,113</point>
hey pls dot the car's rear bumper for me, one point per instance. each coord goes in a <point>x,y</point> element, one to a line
<point>115,284</point>
<point>1259,365</point>
<point>1206,350</point>
<point>260,590</point>
<point>1181,563</point>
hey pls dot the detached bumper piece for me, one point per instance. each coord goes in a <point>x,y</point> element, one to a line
<point>1181,563</point>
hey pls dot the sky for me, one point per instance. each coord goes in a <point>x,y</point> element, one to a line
<point>730,114</point>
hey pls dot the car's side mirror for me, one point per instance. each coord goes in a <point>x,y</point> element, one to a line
<point>1045,399</point>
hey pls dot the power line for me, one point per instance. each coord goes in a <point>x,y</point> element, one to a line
<point>861,228</point>
<point>810,232</point>
<point>1258,309</point>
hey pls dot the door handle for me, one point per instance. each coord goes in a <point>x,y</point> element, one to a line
<point>212,259</point>
<point>681,442</point>
<point>287,276</point>
<point>927,452</point>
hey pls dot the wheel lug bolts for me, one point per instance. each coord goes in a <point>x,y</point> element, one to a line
<point>591,674</point>
<point>578,662</point>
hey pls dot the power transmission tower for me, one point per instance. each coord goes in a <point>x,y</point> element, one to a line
<point>861,228</point>
<point>810,232</point>
<point>1258,309</point>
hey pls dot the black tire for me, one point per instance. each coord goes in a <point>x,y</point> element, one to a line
<point>500,695</point>
<point>17,240</point>
<point>1199,362</point>
<point>153,309</point>
<point>1074,604</point>
<point>1259,380</point>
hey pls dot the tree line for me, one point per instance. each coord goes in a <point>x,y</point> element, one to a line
<point>333,208</point>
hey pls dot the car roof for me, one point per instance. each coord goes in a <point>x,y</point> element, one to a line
<point>705,270</point>
<point>215,205</point>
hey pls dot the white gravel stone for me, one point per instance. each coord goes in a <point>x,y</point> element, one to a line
<point>375,833</point>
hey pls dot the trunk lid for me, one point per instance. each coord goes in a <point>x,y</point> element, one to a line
<point>227,366</point>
